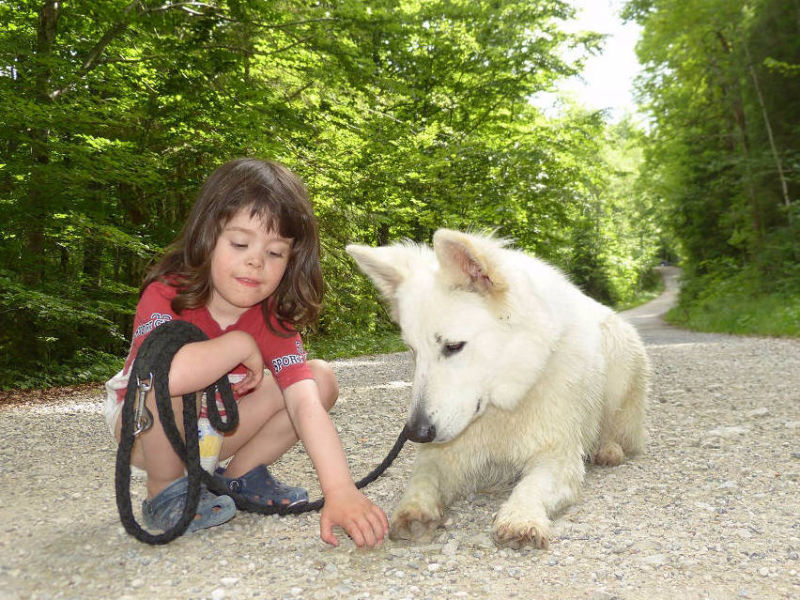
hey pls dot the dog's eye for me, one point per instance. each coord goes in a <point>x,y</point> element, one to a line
<point>453,348</point>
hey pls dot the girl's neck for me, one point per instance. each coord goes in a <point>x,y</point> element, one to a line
<point>224,316</point>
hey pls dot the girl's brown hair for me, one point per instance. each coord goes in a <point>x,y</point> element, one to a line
<point>274,194</point>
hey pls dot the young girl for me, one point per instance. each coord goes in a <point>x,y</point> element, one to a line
<point>245,269</point>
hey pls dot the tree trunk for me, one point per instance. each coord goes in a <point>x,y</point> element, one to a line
<point>34,250</point>
<point>92,265</point>
<point>740,122</point>
<point>775,155</point>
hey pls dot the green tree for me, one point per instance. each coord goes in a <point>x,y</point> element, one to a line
<point>400,116</point>
<point>722,92</point>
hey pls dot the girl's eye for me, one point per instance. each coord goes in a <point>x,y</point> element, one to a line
<point>276,254</point>
<point>238,246</point>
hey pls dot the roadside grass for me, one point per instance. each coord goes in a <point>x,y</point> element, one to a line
<point>739,303</point>
<point>353,343</point>
<point>775,315</point>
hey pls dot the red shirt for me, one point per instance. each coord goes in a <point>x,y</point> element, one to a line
<point>283,356</point>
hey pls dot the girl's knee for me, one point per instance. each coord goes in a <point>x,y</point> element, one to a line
<point>326,382</point>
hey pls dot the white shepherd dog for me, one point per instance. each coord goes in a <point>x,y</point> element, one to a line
<point>518,377</point>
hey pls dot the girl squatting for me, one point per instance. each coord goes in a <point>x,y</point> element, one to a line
<point>245,269</point>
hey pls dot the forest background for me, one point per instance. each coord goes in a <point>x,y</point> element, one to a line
<point>401,116</point>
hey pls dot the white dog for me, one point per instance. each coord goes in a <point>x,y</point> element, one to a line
<point>518,377</point>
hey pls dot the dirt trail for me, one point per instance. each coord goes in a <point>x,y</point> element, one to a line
<point>648,318</point>
<point>711,511</point>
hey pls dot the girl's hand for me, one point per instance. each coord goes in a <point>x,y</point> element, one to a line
<point>364,521</point>
<point>254,364</point>
<point>252,361</point>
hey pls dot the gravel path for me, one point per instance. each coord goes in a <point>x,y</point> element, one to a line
<point>711,511</point>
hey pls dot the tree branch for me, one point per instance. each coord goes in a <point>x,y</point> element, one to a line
<point>92,59</point>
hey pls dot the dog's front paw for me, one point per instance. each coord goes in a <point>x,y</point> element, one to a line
<point>507,534</point>
<point>411,522</point>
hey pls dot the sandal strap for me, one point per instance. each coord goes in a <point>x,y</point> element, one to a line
<point>258,485</point>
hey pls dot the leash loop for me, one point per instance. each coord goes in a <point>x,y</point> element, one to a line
<point>149,371</point>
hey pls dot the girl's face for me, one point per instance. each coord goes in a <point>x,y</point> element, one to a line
<point>247,264</point>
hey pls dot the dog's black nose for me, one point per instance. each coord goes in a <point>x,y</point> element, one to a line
<point>420,429</point>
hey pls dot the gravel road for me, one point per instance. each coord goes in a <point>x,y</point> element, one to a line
<point>711,511</point>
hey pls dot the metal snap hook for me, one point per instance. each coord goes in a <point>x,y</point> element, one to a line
<point>143,418</point>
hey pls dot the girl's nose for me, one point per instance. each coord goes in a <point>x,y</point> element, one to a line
<point>254,259</point>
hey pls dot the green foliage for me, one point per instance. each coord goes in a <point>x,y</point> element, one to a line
<point>721,157</point>
<point>401,117</point>
<point>42,329</point>
<point>651,287</point>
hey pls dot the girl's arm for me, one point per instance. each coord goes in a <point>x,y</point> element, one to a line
<point>344,505</point>
<point>199,364</point>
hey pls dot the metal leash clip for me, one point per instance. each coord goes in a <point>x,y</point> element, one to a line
<point>143,418</point>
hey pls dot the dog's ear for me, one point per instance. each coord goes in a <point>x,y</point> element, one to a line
<point>386,266</point>
<point>466,260</point>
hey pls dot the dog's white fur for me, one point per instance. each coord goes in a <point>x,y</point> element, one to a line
<point>545,378</point>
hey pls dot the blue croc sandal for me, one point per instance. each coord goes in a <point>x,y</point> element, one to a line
<point>166,509</point>
<point>262,488</point>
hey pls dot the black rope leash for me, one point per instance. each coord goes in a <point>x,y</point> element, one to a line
<point>152,365</point>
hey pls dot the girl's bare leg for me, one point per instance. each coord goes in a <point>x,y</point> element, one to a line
<point>265,431</point>
<point>153,452</point>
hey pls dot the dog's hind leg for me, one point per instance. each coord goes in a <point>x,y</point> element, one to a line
<point>622,430</point>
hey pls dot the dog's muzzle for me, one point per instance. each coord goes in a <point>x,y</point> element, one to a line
<point>419,428</point>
